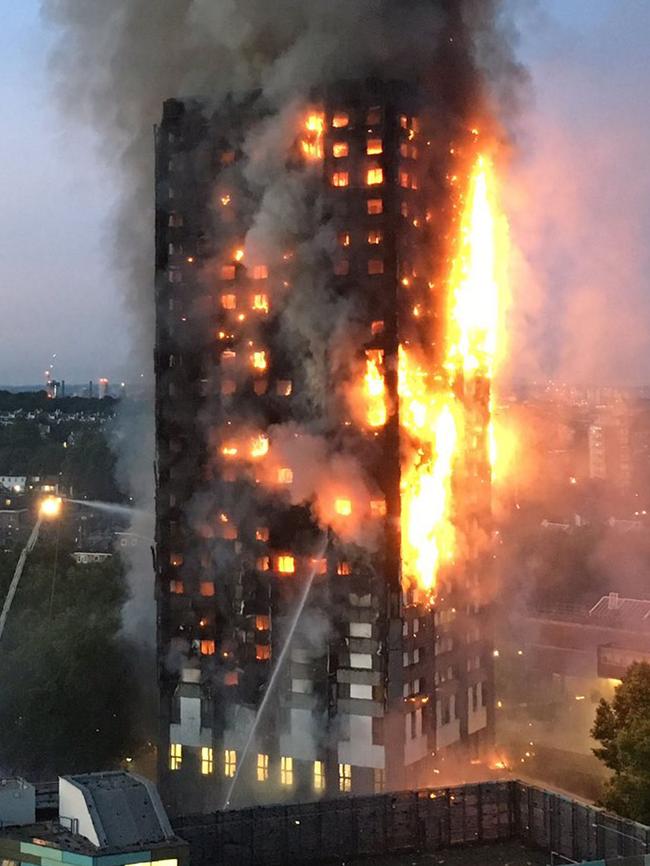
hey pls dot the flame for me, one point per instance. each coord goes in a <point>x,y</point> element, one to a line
<point>258,360</point>
<point>259,446</point>
<point>374,389</point>
<point>438,406</point>
<point>311,143</point>
<point>343,507</point>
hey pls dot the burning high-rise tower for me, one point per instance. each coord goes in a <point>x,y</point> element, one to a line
<point>325,344</point>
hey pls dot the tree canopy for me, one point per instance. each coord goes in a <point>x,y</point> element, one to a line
<point>622,726</point>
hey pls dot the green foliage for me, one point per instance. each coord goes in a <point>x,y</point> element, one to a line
<point>67,686</point>
<point>623,729</point>
<point>89,466</point>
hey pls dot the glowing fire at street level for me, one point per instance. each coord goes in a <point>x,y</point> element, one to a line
<point>433,412</point>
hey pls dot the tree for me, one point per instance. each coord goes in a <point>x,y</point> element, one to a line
<point>623,729</point>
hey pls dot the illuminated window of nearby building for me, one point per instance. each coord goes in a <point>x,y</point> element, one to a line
<point>342,268</point>
<point>375,206</point>
<point>375,266</point>
<point>229,763</point>
<point>283,387</point>
<point>285,475</point>
<point>343,568</point>
<point>340,119</point>
<point>262,768</point>
<point>207,648</point>
<point>176,559</point>
<point>207,588</point>
<point>340,148</point>
<point>374,176</point>
<point>175,756</point>
<point>207,760</point>
<point>260,272</point>
<point>263,563</point>
<point>378,507</point>
<point>286,564</point>
<point>319,776</point>
<point>262,622</point>
<point>375,236</point>
<point>286,771</point>
<point>345,778</point>
<point>374,146</point>
<point>227,272</point>
<point>262,533</point>
<point>176,587</point>
<point>379,781</point>
<point>344,239</point>
<point>229,302</point>
<point>262,652</point>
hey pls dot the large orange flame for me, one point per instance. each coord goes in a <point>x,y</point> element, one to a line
<point>434,408</point>
<point>374,389</point>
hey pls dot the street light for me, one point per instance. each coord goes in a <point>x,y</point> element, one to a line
<point>50,507</point>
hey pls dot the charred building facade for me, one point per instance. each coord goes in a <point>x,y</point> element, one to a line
<point>280,457</point>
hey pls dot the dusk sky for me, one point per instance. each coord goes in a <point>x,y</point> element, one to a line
<point>583,136</point>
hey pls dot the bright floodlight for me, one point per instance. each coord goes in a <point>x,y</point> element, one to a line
<point>50,506</point>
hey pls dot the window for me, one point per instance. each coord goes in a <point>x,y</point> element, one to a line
<point>262,533</point>
<point>360,692</point>
<point>260,386</point>
<point>231,678</point>
<point>362,661</point>
<point>374,115</point>
<point>229,302</point>
<point>262,622</point>
<point>404,179</point>
<point>361,629</point>
<point>176,559</point>
<point>374,176</point>
<point>378,732</point>
<point>345,778</point>
<point>230,763</point>
<point>403,121</point>
<point>375,206</point>
<point>286,564</point>
<point>263,563</point>
<point>260,303</point>
<point>175,220</point>
<point>262,652</point>
<point>340,178</point>
<point>340,148</point>
<point>342,268</point>
<point>227,272</point>
<point>207,588</point>
<point>319,776</point>
<point>344,239</point>
<point>285,475</point>
<point>416,655</point>
<point>343,568</point>
<point>207,760</point>
<point>379,781</point>
<point>375,236</point>
<point>260,272</point>
<point>207,648</point>
<point>176,587</point>
<point>340,119</point>
<point>283,387</point>
<point>228,386</point>
<point>262,768</point>
<point>175,756</point>
<point>375,266</point>
<point>378,507</point>
<point>374,145</point>
<point>377,327</point>
<point>286,771</point>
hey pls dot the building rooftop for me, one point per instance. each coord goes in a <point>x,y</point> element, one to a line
<point>125,809</point>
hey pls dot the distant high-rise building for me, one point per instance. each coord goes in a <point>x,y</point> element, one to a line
<point>103,390</point>
<point>271,470</point>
